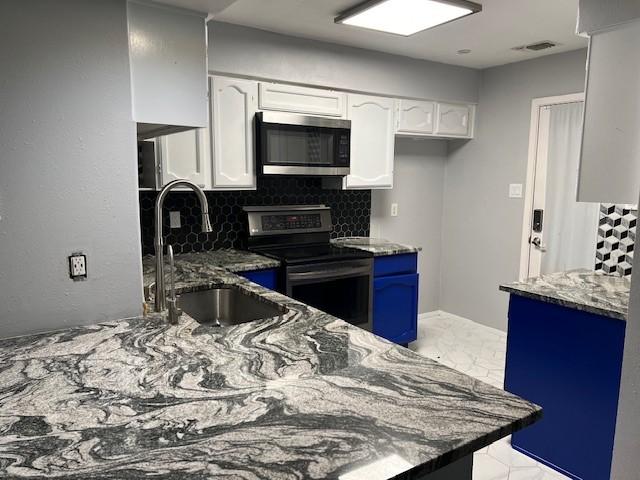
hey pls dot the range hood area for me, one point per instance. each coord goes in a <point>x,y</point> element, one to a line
<point>168,61</point>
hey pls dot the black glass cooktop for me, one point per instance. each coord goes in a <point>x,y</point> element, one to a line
<point>294,255</point>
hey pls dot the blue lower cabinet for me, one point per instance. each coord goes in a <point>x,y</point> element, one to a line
<point>568,362</point>
<point>267,278</point>
<point>395,307</point>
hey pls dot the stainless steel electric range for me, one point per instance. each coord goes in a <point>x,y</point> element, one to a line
<point>336,280</point>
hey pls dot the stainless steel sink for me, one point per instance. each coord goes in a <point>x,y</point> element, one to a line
<point>227,306</point>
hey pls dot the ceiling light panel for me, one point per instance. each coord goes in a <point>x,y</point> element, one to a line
<point>406,17</point>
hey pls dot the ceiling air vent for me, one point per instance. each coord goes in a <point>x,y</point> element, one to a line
<point>535,47</point>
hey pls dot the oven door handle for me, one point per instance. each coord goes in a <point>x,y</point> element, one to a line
<point>311,275</point>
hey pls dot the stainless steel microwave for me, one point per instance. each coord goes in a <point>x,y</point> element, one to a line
<point>290,144</point>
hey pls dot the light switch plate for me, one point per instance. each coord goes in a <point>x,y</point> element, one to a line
<point>394,209</point>
<point>515,190</point>
<point>174,220</point>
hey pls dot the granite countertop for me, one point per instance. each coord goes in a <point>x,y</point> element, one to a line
<point>192,268</point>
<point>583,290</point>
<point>302,395</point>
<point>377,246</point>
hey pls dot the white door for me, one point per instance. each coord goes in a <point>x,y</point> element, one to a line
<point>234,103</point>
<point>372,141</point>
<point>312,101</point>
<point>415,117</point>
<point>184,155</point>
<point>454,120</point>
<point>560,232</point>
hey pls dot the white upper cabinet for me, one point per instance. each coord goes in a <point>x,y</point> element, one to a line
<point>610,156</point>
<point>372,141</point>
<point>185,155</point>
<point>234,103</point>
<point>415,117</point>
<point>304,100</point>
<point>168,60</point>
<point>454,120</point>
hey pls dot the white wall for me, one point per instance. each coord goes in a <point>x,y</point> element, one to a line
<point>67,165</point>
<point>482,227</point>
<point>418,189</point>
<point>255,53</point>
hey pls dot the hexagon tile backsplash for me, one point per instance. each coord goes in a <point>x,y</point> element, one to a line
<point>350,210</point>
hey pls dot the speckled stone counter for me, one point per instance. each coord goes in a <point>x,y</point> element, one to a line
<point>377,246</point>
<point>191,268</point>
<point>299,396</point>
<point>583,290</point>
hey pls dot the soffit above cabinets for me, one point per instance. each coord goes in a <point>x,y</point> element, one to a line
<point>212,7</point>
<point>168,61</point>
<point>490,34</point>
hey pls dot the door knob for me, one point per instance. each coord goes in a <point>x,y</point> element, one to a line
<point>537,242</point>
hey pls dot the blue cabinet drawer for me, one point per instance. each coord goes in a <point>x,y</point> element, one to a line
<point>395,307</point>
<point>267,278</point>
<point>395,264</point>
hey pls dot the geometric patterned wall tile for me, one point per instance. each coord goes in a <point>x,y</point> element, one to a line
<point>626,245</point>
<point>350,210</point>
<point>616,239</point>
<point>623,269</point>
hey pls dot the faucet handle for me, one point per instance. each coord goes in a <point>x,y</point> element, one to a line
<point>174,312</point>
<point>148,289</point>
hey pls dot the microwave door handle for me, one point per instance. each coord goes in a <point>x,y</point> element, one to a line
<point>328,274</point>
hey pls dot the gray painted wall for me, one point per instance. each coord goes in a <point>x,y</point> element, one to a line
<point>418,191</point>
<point>255,53</point>
<point>482,227</point>
<point>67,165</point>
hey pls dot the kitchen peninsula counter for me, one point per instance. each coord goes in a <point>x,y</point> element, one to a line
<point>302,395</point>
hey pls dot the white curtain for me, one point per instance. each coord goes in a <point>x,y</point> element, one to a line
<point>570,228</point>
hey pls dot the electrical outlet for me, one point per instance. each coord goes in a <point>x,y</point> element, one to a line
<point>174,220</point>
<point>394,209</point>
<point>78,266</point>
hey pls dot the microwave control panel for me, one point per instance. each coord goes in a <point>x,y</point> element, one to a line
<point>344,149</point>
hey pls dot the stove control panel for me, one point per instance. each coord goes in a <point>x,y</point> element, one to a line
<point>284,220</point>
<point>272,223</point>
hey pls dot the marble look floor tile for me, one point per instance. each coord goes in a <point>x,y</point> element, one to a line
<point>486,467</point>
<point>480,352</point>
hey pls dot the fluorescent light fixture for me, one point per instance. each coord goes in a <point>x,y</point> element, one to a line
<point>406,17</point>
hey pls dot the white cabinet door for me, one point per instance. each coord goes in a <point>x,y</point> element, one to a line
<point>312,101</point>
<point>234,103</point>
<point>415,117</point>
<point>185,155</point>
<point>610,155</point>
<point>372,141</point>
<point>454,120</point>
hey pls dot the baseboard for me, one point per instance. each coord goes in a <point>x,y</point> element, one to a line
<point>438,313</point>
<point>434,313</point>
